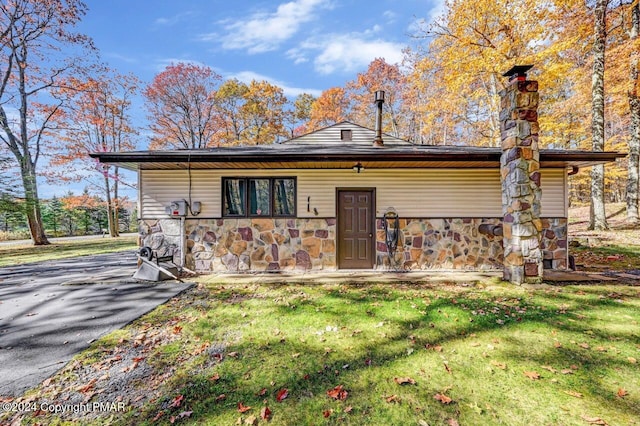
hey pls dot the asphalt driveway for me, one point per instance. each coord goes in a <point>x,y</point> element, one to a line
<point>49,311</point>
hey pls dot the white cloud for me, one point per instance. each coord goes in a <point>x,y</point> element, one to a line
<point>266,31</point>
<point>390,15</point>
<point>436,11</point>
<point>289,91</point>
<point>347,52</point>
<point>172,20</point>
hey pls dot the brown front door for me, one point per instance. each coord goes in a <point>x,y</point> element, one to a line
<point>355,229</point>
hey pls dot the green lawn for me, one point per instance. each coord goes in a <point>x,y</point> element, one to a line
<point>485,354</point>
<point>16,255</point>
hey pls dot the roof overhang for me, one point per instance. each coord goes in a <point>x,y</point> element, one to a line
<point>299,157</point>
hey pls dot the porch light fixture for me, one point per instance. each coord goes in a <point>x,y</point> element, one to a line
<point>358,167</point>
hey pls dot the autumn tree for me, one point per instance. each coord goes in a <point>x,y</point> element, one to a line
<point>598,220</point>
<point>330,108</point>
<point>229,99</point>
<point>83,209</point>
<point>97,120</point>
<point>380,76</point>
<point>299,114</point>
<point>429,125</point>
<point>466,52</point>
<point>263,113</point>
<point>633,96</point>
<point>251,113</point>
<point>181,105</point>
<point>33,33</point>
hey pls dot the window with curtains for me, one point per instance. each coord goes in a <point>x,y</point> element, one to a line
<point>259,197</point>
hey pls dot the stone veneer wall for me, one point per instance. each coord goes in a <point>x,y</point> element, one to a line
<point>261,244</point>
<point>229,245</point>
<point>554,242</point>
<point>441,244</point>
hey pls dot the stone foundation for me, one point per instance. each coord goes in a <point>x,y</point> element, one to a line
<point>261,244</point>
<point>554,243</point>
<point>441,244</point>
<point>269,244</point>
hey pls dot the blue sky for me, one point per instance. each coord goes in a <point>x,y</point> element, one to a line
<point>300,45</point>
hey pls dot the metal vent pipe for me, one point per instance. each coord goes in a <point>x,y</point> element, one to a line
<point>379,100</point>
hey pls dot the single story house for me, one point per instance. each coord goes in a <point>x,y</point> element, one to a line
<point>333,200</point>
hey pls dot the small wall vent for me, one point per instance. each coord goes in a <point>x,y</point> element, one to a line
<point>346,135</point>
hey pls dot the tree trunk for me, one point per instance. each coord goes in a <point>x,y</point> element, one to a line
<point>633,161</point>
<point>116,205</point>
<point>599,218</point>
<point>634,108</point>
<point>111,224</point>
<point>32,203</point>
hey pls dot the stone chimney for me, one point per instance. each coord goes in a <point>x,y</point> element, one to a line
<point>379,100</point>
<point>520,176</point>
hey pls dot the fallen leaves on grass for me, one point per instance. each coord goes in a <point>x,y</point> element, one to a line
<point>177,401</point>
<point>447,368</point>
<point>282,394</point>
<point>241,407</point>
<point>573,394</point>
<point>157,417</point>
<point>549,368</point>
<point>327,413</point>
<point>221,397</point>
<point>251,420</point>
<point>404,380</point>
<point>500,365</point>
<point>88,387</point>
<point>442,398</point>
<point>622,393</point>
<point>632,360</point>
<point>392,398</point>
<point>215,377</point>
<point>594,420</point>
<point>182,415</point>
<point>338,393</point>
<point>265,413</point>
<point>532,375</point>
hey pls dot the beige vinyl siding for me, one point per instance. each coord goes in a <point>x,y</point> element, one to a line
<point>160,187</point>
<point>553,183</point>
<point>412,192</point>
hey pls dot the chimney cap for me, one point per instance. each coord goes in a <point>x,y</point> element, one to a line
<point>517,71</point>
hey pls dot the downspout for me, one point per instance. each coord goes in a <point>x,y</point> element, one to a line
<point>182,244</point>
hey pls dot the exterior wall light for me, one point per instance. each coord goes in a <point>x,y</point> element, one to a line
<point>358,167</point>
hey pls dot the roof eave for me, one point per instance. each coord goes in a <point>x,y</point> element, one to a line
<point>374,158</point>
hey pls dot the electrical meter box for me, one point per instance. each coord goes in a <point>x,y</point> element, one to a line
<point>177,208</point>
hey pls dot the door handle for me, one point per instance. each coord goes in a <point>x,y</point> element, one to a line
<point>370,235</point>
